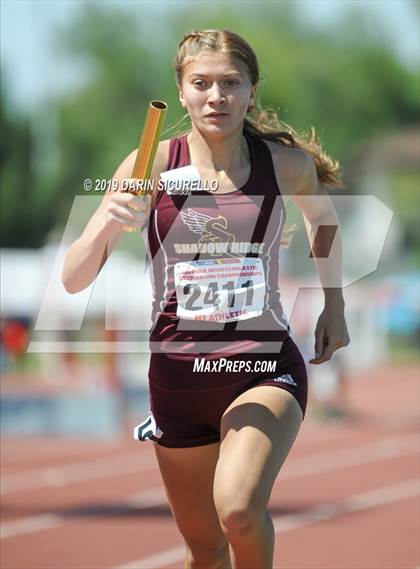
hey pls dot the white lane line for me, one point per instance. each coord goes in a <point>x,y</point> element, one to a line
<point>132,462</point>
<point>87,470</point>
<point>393,447</point>
<point>158,560</point>
<point>355,503</point>
<point>15,453</point>
<point>363,454</point>
<point>30,525</point>
<point>33,524</point>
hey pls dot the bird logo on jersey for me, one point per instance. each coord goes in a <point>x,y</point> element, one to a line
<point>212,230</point>
<point>215,240</point>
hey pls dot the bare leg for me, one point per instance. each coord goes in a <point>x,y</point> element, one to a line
<point>258,431</point>
<point>188,475</point>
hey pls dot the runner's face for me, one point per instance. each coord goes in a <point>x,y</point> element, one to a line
<point>216,91</point>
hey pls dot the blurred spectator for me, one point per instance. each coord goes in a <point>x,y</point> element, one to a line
<point>14,340</point>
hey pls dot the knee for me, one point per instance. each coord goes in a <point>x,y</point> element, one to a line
<point>240,518</point>
<point>241,509</point>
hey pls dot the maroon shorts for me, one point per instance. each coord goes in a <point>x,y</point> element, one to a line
<point>186,407</point>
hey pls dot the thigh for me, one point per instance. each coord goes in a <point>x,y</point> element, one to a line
<point>258,430</point>
<point>188,477</point>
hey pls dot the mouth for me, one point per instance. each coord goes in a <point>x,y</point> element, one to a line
<point>215,115</point>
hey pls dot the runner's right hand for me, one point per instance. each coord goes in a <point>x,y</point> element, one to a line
<point>124,208</point>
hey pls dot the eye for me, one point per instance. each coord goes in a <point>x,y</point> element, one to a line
<point>232,82</point>
<point>199,83</point>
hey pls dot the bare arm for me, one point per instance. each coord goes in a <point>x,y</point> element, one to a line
<point>87,255</point>
<point>323,228</point>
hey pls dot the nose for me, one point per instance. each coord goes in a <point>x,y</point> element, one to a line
<point>216,95</point>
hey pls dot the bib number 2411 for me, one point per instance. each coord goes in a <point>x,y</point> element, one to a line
<point>220,289</point>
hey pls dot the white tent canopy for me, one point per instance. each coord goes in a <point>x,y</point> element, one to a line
<point>31,287</point>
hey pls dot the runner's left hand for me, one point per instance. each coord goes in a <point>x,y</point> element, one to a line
<point>330,334</point>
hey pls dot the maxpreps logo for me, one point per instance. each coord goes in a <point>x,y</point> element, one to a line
<point>215,239</point>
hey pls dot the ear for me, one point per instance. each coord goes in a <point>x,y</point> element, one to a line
<point>181,98</point>
<point>253,93</point>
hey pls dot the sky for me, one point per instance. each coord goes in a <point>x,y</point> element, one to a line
<point>33,71</point>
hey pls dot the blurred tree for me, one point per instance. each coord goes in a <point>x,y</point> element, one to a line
<point>15,178</point>
<point>344,81</point>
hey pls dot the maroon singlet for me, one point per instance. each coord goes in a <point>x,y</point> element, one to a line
<point>246,222</point>
<point>190,239</point>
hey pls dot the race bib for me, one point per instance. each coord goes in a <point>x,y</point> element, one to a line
<point>220,290</point>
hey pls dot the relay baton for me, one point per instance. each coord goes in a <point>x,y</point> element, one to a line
<point>148,144</point>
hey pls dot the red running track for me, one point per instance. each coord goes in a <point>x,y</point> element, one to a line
<point>346,498</point>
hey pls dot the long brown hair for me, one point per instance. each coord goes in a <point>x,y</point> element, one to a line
<point>262,123</point>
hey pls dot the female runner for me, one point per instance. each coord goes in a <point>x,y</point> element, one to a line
<point>222,426</point>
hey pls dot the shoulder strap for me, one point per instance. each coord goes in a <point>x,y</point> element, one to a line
<point>172,152</point>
